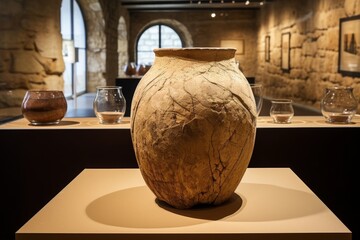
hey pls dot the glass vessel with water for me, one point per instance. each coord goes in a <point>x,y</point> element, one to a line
<point>338,104</point>
<point>257,90</point>
<point>109,104</point>
<point>281,110</point>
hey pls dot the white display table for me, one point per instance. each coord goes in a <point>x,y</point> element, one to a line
<point>269,203</point>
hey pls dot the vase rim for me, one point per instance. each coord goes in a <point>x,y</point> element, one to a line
<point>281,100</point>
<point>197,53</point>
<point>45,94</point>
<point>340,87</point>
<point>108,87</point>
<point>43,90</point>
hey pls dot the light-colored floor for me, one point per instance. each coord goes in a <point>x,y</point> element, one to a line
<point>82,106</point>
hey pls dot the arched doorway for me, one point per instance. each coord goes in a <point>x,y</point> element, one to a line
<point>74,48</point>
<point>95,43</point>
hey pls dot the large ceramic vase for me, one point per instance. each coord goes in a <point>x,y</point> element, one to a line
<point>193,126</point>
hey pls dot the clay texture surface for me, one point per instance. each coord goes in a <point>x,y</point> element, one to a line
<point>193,127</point>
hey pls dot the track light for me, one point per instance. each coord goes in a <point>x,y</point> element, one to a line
<point>247,2</point>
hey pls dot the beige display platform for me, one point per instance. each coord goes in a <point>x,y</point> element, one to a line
<point>306,122</point>
<point>66,123</point>
<point>269,203</point>
<point>93,123</point>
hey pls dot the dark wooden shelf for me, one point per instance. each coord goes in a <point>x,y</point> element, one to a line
<point>128,85</point>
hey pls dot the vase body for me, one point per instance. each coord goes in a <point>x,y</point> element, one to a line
<point>193,125</point>
<point>141,69</point>
<point>130,69</point>
<point>339,104</point>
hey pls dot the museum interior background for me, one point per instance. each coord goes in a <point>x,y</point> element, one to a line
<point>31,44</point>
<point>31,48</point>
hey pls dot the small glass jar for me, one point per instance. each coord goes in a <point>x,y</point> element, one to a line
<point>281,110</point>
<point>339,104</point>
<point>109,104</point>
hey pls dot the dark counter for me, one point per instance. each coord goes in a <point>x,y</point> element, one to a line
<point>37,164</point>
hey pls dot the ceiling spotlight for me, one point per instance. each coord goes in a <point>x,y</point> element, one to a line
<point>247,2</point>
<point>213,15</point>
<point>233,1</point>
<point>261,3</point>
<point>199,2</point>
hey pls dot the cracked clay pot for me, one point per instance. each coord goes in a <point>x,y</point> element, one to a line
<point>193,125</point>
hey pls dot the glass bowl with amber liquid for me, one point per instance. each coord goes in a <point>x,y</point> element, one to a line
<point>44,107</point>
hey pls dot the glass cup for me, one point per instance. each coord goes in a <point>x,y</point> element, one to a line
<point>109,104</point>
<point>44,107</point>
<point>281,110</point>
<point>257,90</point>
<point>339,104</point>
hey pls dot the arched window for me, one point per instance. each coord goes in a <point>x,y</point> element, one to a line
<point>156,36</point>
<point>73,32</point>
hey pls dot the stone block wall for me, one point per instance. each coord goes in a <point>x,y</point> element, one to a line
<point>95,43</point>
<point>314,43</point>
<point>111,17</point>
<point>30,44</point>
<point>30,49</point>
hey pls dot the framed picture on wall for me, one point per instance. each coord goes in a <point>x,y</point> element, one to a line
<point>239,44</point>
<point>68,51</point>
<point>349,46</point>
<point>285,51</point>
<point>267,48</point>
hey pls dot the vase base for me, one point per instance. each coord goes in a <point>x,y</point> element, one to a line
<point>206,211</point>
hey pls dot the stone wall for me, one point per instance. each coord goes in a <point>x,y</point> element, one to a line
<point>122,46</point>
<point>95,43</point>
<point>314,43</point>
<point>30,49</point>
<point>206,31</point>
<point>30,44</point>
<point>111,17</point>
